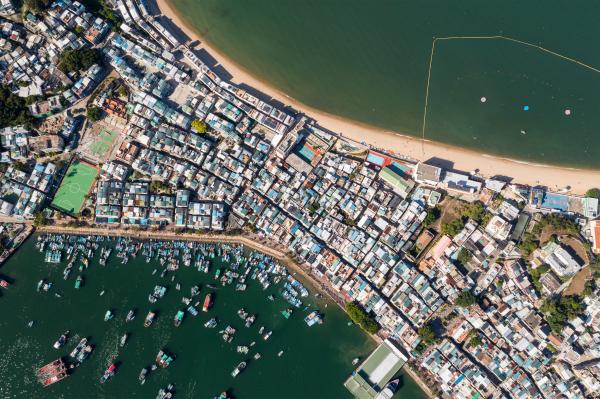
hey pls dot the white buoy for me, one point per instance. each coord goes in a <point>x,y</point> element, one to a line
<point>483,99</point>
<point>567,112</point>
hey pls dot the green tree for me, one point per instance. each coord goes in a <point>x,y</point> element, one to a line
<point>428,337</point>
<point>358,315</point>
<point>93,114</point>
<point>78,60</point>
<point>465,299</point>
<point>558,311</point>
<point>453,228</point>
<point>592,193</point>
<point>433,214</point>
<point>39,220</point>
<point>13,109</point>
<point>475,341</point>
<point>464,256</point>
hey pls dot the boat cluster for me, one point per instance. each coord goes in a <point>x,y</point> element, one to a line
<point>242,267</point>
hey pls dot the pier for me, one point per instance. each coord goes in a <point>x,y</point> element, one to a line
<point>376,371</point>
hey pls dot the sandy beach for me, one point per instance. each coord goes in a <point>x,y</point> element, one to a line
<point>553,177</point>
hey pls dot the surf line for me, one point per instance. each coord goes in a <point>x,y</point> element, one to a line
<point>495,37</point>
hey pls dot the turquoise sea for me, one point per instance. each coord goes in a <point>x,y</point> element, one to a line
<point>314,363</point>
<point>369,61</point>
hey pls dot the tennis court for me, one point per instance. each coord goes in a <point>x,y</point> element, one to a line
<point>74,187</point>
<point>103,143</point>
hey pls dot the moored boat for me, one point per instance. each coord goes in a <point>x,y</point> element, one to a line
<point>313,318</point>
<point>130,315</point>
<point>143,374</point>
<point>207,302</point>
<point>178,318</point>
<point>149,319</point>
<point>61,340</point>
<point>238,369</point>
<point>108,315</point>
<point>108,373</point>
<point>78,281</point>
<point>124,339</point>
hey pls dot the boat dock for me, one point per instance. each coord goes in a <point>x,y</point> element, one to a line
<point>367,381</point>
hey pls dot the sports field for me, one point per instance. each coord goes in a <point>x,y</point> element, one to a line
<point>101,146</point>
<point>75,185</point>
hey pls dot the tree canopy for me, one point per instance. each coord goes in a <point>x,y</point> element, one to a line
<point>93,114</point>
<point>558,311</point>
<point>13,110</point>
<point>78,60</point>
<point>453,228</point>
<point>593,193</point>
<point>361,317</point>
<point>465,299</point>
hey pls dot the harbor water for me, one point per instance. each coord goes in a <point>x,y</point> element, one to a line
<point>369,62</point>
<point>314,361</point>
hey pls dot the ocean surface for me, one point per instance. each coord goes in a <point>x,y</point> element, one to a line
<point>314,364</point>
<point>369,61</point>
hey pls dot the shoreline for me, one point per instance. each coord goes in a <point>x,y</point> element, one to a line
<point>463,159</point>
<point>256,243</point>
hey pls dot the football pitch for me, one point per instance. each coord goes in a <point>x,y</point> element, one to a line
<point>75,185</point>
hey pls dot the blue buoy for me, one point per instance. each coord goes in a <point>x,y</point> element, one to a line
<point>525,107</point>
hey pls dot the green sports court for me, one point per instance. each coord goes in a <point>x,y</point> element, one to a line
<point>74,187</point>
<point>103,143</point>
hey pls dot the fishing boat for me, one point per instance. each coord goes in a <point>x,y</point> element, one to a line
<point>67,272</point>
<point>84,353</point>
<point>217,274</point>
<point>149,319</point>
<point>30,324</point>
<point>192,310</point>
<point>101,292</point>
<point>267,335</point>
<point>287,313</point>
<point>242,313</point>
<point>124,339</point>
<point>143,374</point>
<point>212,323</point>
<point>250,320</point>
<point>61,340</point>
<point>257,356</point>
<point>130,316</point>
<point>238,369</point>
<point>78,281</point>
<point>165,393</point>
<point>242,349</point>
<point>280,353</point>
<point>78,348</point>
<point>207,302</point>
<point>223,395</point>
<point>271,298</point>
<point>163,359</point>
<point>178,318</point>
<point>355,361</point>
<point>108,315</point>
<point>40,284</point>
<point>313,318</point>
<point>108,373</point>
<point>261,329</point>
<point>52,372</point>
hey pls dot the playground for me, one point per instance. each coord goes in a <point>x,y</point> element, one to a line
<point>74,187</point>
